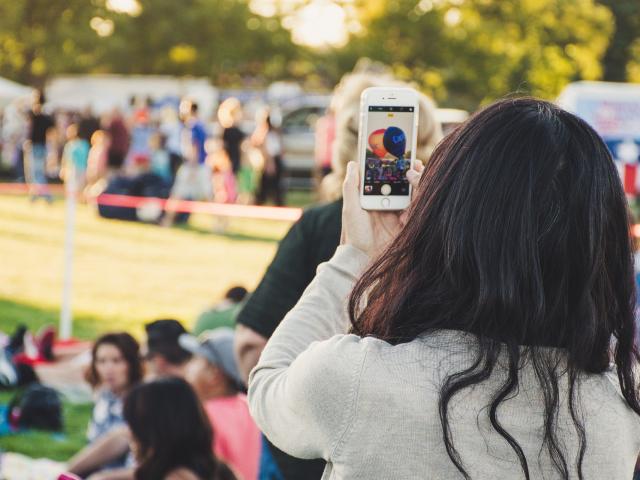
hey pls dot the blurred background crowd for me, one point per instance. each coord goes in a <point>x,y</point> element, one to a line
<point>251,79</point>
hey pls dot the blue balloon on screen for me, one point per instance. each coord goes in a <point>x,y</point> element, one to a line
<point>395,141</point>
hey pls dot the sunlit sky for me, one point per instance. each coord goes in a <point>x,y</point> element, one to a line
<point>316,23</point>
<point>132,7</point>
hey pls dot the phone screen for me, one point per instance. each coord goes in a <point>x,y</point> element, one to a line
<point>388,153</point>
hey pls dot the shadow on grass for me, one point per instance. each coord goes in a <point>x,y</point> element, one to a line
<point>13,314</point>
<point>230,234</point>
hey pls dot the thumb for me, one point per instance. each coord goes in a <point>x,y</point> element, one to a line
<point>414,174</point>
<point>413,177</point>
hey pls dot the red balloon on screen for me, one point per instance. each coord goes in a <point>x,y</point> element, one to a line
<point>376,144</point>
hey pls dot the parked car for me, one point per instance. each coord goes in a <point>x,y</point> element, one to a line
<point>298,132</point>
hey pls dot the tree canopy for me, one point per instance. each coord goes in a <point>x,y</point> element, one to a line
<point>463,52</point>
<point>221,39</point>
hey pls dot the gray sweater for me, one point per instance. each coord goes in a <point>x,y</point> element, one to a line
<point>370,409</point>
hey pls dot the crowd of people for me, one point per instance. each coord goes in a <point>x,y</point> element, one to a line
<point>176,411</point>
<point>173,149</point>
<point>489,330</point>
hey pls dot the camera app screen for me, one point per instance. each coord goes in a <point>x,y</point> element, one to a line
<point>388,154</point>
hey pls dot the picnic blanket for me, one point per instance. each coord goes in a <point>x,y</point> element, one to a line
<point>14,466</point>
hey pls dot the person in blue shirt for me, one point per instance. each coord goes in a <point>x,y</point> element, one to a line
<point>196,131</point>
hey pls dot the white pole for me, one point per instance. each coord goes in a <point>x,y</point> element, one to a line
<point>66,319</point>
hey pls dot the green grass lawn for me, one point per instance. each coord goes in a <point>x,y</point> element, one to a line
<point>125,274</point>
<point>56,446</point>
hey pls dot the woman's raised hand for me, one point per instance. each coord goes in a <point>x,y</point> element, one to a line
<point>369,231</point>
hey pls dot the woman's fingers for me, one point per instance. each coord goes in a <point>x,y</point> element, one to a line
<point>413,177</point>
<point>350,193</point>
<point>354,219</point>
<point>369,231</point>
<point>414,174</point>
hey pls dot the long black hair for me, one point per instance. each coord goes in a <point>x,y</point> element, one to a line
<point>171,430</point>
<point>519,234</point>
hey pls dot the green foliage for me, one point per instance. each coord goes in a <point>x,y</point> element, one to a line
<point>221,39</point>
<point>465,52</point>
<point>39,37</point>
<point>621,55</point>
<point>633,67</point>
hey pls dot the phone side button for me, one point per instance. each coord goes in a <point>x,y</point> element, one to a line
<point>385,203</point>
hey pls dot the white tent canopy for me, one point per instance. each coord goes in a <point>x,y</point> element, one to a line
<point>103,92</point>
<point>10,91</point>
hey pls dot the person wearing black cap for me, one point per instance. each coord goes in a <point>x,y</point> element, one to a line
<point>165,356</point>
<point>214,375</point>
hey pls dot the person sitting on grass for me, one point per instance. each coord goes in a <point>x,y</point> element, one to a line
<point>214,376</point>
<point>223,314</point>
<point>179,446</point>
<point>164,355</point>
<point>164,358</point>
<point>115,368</point>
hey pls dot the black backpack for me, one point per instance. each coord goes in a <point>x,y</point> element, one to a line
<point>37,407</point>
<point>144,185</point>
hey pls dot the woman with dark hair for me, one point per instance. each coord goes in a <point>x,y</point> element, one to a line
<point>492,329</point>
<point>171,436</point>
<point>115,368</point>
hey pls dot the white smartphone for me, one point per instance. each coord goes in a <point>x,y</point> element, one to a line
<point>387,146</point>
